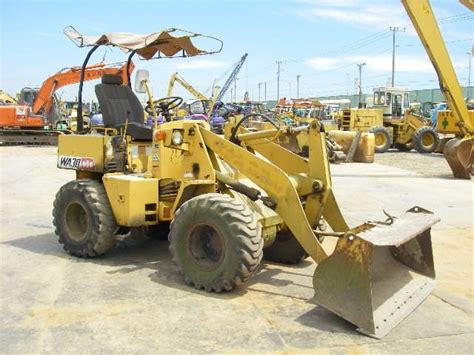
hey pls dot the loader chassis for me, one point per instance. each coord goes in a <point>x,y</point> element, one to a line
<point>229,203</point>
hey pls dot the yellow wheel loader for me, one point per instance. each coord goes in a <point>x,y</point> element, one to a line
<point>392,122</point>
<point>231,202</point>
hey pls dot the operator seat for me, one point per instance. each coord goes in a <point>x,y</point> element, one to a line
<point>117,103</point>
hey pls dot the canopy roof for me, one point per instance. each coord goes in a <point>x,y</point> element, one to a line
<point>161,44</point>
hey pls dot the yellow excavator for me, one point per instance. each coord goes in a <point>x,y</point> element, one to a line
<point>458,120</point>
<point>177,78</point>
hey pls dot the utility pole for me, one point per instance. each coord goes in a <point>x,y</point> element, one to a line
<point>279,62</point>
<point>259,86</point>
<point>348,83</point>
<point>471,53</point>
<point>235,89</point>
<point>360,65</point>
<point>298,86</point>
<point>231,94</point>
<point>394,30</point>
<point>265,91</point>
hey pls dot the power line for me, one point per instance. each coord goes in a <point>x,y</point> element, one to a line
<point>456,18</point>
<point>447,42</point>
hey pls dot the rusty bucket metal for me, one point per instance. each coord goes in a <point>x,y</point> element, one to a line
<point>459,155</point>
<point>377,277</point>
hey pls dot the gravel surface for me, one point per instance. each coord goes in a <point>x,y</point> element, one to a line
<point>433,165</point>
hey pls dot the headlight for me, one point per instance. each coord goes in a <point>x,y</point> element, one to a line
<point>177,137</point>
<point>109,150</point>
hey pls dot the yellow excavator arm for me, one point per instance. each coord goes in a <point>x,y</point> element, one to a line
<point>176,78</point>
<point>425,24</point>
<point>458,152</point>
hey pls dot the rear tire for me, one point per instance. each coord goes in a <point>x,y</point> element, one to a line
<point>83,219</point>
<point>285,249</point>
<point>425,140</point>
<point>402,147</point>
<point>382,139</point>
<point>216,242</point>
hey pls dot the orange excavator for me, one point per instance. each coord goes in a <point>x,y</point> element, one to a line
<point>31,121</point>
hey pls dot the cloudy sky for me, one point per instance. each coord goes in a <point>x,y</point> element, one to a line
<point>321,40</point>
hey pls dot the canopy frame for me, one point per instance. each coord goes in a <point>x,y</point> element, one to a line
<point>80,41</point>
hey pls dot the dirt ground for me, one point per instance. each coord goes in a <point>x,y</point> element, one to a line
<point>133,300</point>
<point>433,165</point>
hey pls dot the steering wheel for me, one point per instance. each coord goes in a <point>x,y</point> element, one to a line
<point>263,117</point>
<point>165,105</point>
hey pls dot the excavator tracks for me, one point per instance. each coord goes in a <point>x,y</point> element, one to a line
<point>29,137</point>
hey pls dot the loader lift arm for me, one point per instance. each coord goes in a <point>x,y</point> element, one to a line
<point>374,266</point>
<point>459,152</point>
<point>281,178</point>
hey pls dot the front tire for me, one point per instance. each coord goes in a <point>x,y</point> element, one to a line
<point>425,140</point>
<point>216,242</point>
<point>285,249</point>
<point>83,219</point>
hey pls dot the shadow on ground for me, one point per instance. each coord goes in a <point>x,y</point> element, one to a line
<point>131,255</point>
<point>289,285</point>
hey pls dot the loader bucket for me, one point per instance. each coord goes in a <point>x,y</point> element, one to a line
<point>458,153</point>
<point>376,278</point>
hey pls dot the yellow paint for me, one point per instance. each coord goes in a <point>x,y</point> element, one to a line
<point>86,146</point>
<point>132,199</point>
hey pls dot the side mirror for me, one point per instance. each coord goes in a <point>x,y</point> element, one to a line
<point>141,77</point>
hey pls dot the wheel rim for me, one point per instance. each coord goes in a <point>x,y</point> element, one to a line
<point>427,140</point>
<point>380,140</point>
<point>77,221</point>
<point>206,246</point>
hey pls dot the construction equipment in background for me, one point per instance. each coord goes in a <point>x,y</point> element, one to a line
<point>231,201</point>
<point>34,120</point>
<point>392,122</point>
<point>458,120</point>
<point>216,96</point>
<point>206,101</point>
<point>233,75</point>
<point>6,99</point>
<point>177,78</point>
<point>341,145</point>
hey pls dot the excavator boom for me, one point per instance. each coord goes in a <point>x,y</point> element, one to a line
<point>69,76</point>
<point>21,124</point>
<point>459,151</point>
<point>176,78</point>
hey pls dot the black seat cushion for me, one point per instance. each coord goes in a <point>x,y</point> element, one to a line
<point>138,131</point>
<point>118,103</point>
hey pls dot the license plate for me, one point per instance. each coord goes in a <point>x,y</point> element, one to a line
<point>76,163</point>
